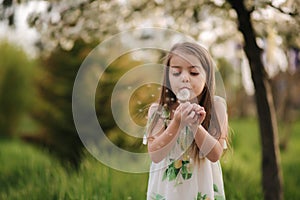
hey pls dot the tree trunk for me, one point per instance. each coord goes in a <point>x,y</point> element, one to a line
<point>271,172</point>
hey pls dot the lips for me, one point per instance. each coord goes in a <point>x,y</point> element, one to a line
<point>185,88</point>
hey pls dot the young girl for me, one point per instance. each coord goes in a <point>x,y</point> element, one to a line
<point>186,138</point>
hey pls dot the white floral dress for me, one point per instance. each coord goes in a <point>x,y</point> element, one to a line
<point>178,177</point>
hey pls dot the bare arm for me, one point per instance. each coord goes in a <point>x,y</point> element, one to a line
<point>200,133</point>
<point>162,140</point>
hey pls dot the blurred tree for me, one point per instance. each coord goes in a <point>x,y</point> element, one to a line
<point>285,87</point>
<point>53,108</point>
<point>7,12</point>
<point>272,177</point>
<point>16,87</point>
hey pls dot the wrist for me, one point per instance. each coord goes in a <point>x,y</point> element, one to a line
<point>194,128</point>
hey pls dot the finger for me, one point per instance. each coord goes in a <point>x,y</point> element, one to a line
<point>179,107</point>
<point>192,114</point>
<point>202,112</point>
<point>184,105</point>
<point>195,119</point>
<point>188,110</point>
<point>202,116</point>
<point>197,108</point>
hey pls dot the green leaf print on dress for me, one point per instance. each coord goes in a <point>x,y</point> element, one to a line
<point>157,197</point>
<point>178,170</point>
<point>201,196</point>
<point>217,197</point>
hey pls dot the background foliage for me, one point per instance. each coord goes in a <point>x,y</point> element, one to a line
<point>36,95</point>
<point>16,83</point>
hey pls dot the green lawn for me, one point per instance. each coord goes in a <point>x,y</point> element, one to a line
<point>29,173</point>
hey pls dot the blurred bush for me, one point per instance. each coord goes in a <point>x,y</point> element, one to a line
<point>53,108</point>
<point>106,85</point>
<point>16,87</point>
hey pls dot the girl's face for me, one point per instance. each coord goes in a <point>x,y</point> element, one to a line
<point>186,71</point>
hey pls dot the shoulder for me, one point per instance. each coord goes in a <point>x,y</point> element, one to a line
<point>153,108</point>
<point>220,100</point>
<point>220,104</point>
<point>220,107</point>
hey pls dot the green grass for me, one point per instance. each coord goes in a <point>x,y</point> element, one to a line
<point>241,164</point>
<point>290,165</point>
<point>29,173</point>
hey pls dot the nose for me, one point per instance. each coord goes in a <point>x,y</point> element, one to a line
<point>185,78</point>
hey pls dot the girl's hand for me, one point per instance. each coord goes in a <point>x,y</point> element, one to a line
<point>188,114</point>
<point>200,112</point>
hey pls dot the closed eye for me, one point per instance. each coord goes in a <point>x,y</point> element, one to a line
<point>194,73</point>
<point>176,73</point>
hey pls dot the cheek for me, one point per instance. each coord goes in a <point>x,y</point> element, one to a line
<point>173,83</point>
<point>198,85</point>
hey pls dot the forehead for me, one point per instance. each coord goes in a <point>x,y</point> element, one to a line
<point>184,60</point>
